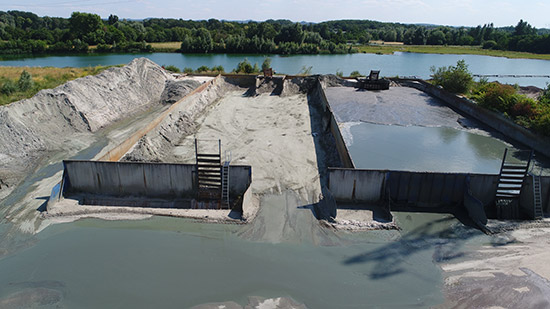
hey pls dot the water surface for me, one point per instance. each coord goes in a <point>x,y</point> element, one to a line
<point>433,149</point>
<point>397,64</point>
<point>167,262</point>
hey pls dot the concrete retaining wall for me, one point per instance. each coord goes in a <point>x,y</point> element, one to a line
<point>150,180</point>
<point>490,118</point>
<point>330,122</point>
<point>424,189</point>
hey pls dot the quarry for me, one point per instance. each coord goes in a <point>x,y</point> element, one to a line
<point>289,160</point>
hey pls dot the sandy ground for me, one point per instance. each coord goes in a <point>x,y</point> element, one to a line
<point>511,271</point>
<point>401,106</point>
<point>270,133</point>
<point>360,220</point>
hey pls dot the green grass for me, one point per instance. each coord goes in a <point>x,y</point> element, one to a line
<point>43,77</point>
<point>441,49</point>
<point>166,47</point>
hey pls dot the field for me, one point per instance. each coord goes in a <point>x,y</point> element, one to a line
<point>441,49</point>
<point>43,78</point>
<point>166,46</point>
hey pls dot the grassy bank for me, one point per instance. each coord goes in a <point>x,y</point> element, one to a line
<point>391,47</point>
<point>42,78</point>
<point>440,49</point>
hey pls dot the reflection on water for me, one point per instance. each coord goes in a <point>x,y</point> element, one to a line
<point>171,262</point>
<point>435,149</point>
<point>398,64</point>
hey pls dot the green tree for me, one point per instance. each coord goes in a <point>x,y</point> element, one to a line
<point>84,25</point>
<point>455,79</point>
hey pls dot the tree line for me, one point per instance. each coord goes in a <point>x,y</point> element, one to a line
<point>25,32</point>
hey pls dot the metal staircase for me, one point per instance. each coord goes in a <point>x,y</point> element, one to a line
<point>537,197</point>
<point>209,180</point>
<point>225,180</point>
<point>537,194</point>
<point>510,183</point>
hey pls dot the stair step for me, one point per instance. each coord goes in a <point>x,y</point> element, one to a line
<point>514,172</point>
<point>208,167</point>
<point>209,161</point>
<point>511,182</point>
<point>512,165</point>
<point>211,155</point>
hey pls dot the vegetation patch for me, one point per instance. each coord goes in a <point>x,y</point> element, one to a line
<point>17,83</point>
<point>27,33</point>
<point>528,112</point>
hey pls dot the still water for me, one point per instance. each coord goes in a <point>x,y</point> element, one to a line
<point>432,149</point>
<point>175,263</point>
<point>401,64</point>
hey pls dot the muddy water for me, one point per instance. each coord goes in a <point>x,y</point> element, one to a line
<point>178,263</point>
<point>435,149</point>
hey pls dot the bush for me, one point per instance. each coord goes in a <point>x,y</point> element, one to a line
<point>8,87</point>
<point>496,96</point>
<point>172,68</point>
<point>245,67</point>
<point>187,70</point>
<point>218,69</point>
<point>202,69</point>
<point>523,107</point>
<point>456,79</point>
<point>545,96</point>
<point>25,81</point>
<point>489,44</point>
<point>266,64</point>
<point>355,74</point>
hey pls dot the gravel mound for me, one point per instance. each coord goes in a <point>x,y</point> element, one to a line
<point>62,118</point>
<point>177,89</point>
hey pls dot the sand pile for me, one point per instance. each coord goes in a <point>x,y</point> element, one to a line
<point>156,145</point>
<point>65,117</point>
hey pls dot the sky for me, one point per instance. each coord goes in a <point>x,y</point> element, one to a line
<point>439,12</point>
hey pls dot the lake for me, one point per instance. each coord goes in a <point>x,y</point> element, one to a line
<point>397,64</point>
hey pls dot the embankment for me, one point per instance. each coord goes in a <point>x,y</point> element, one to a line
<point>490,118</point>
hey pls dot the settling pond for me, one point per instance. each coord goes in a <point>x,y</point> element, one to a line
<point>399,63</point>
<point>168,262</point>
<point>174,263</point>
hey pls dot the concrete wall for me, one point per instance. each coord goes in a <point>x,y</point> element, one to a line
<point>153,180</point>
<point>490,118</point>
<point>425,189</point>
<point>119,151</point>
<point>329,121</point>
<point>356,185</point>
<point>241,80</point>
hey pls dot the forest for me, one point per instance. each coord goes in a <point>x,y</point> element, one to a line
<point>27,33</point>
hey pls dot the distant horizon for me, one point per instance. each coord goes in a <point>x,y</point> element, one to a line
<point>465,13</point>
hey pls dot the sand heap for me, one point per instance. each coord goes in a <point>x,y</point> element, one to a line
<point>65,117</point>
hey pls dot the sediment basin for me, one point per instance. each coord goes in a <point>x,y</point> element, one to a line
<point>283,255</point>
